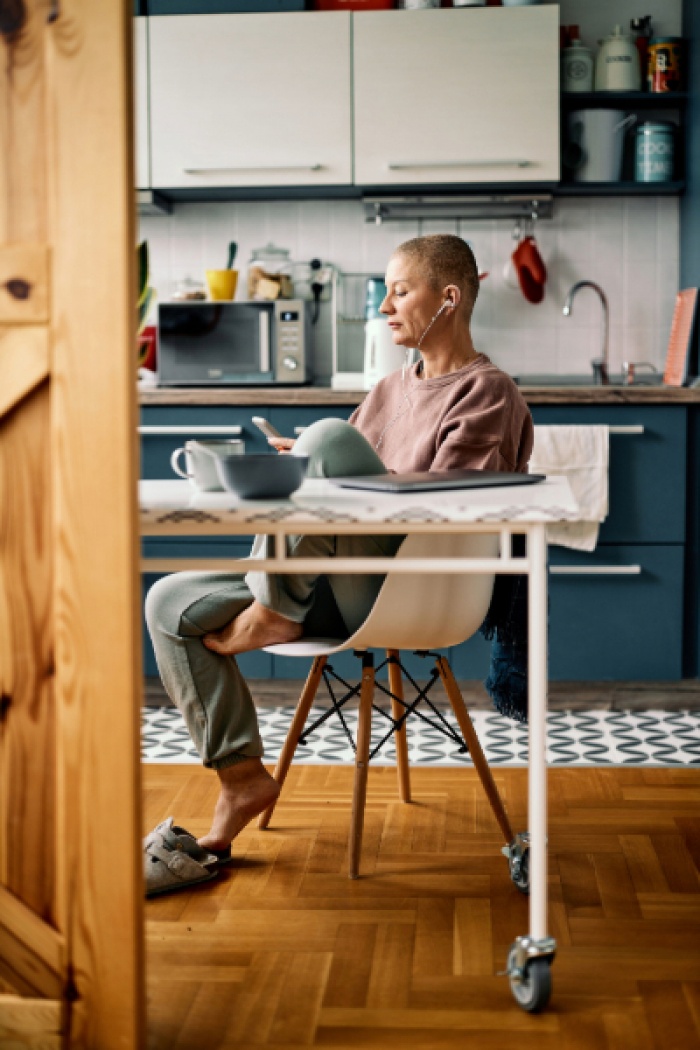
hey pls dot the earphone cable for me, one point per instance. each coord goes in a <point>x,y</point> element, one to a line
<point>406,393</point>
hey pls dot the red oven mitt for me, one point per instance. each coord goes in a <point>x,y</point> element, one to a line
<point>531,271</point>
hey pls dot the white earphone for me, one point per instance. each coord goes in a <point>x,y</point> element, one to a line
<point>406,399</point>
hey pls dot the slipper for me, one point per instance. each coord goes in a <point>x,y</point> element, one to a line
<point>173,860</point>
<point>181,839</point>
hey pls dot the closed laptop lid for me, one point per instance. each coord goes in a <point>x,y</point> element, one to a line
<point>424,480</point>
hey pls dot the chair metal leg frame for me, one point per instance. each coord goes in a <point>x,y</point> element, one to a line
<point>295,730</point>
<point>478,756</point>
<point>411,709</point>
<point>422,694</point>
<point>336,707</point>
<point>350,692</point>
<point>359,795</point>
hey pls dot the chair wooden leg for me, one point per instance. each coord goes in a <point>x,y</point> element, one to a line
<point>402,767</point>
<point>364,730</point>
<point>301,714</point>
<point>472,741</point>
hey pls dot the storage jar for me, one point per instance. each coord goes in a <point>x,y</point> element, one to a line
<point>576,67</point>
<point>665,64</point>
<point>654,150</point>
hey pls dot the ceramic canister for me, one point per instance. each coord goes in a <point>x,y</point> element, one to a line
<point>576,67</point>
<point>653,153</point>
<point>617,63</point>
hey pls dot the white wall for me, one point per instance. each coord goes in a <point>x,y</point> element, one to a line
<point>628,245</point>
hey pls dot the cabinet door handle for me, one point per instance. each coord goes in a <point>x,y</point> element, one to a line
<point>595,570</point>
<point>253,167</point>
<point>632,429</point>
<point>407,165</point>
<point>156,431</point>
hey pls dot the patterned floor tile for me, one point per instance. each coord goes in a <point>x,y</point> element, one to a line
<point>580,738</point>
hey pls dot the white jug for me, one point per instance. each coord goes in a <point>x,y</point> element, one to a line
<point>382,356</point>
<point>593,149</point>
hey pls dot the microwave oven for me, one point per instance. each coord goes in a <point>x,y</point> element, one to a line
<point>232,344</point>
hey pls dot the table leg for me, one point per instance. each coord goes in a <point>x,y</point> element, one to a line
<point>537,688</point>
<point>530,957</point>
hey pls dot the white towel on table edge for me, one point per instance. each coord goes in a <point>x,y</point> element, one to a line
<point>581,454</point>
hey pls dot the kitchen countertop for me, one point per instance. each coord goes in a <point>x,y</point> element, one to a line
<point>318,395</point>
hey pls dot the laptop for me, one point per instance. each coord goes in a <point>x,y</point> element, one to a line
<point>426,480</point>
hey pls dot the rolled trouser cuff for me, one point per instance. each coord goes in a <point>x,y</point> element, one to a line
<point>234,759</point>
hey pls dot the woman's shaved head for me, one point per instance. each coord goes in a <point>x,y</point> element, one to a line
<point>444,258</point>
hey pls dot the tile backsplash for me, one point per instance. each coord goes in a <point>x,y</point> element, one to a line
<point>628,245</point>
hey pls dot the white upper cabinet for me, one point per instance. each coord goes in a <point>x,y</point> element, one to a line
<point>142,159</point>
<point>251,100</point>
<point>457,96</point>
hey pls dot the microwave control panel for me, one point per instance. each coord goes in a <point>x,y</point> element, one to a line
<point>290,349</point>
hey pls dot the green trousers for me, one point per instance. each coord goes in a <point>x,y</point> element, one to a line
<point>208,688</point>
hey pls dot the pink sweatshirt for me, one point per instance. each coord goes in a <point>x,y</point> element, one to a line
<point>474,417</point>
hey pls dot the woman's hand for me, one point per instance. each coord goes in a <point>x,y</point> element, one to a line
<point>282,444</point>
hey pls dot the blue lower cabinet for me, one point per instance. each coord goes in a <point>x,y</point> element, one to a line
<point>471,659</point>
<point>613,625</point>
<point>647,470</point>
<point>344,664</point>
<point>288,419</point>
<point>349,667</point>
<point>252,665</point>
<point>157,449</point>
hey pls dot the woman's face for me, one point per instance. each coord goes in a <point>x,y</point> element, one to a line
<point>411,302</point>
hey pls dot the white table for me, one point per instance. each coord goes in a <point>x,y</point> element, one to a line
<point>173,508</point>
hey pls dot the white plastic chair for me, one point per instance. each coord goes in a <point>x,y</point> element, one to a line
<point>417,612</point>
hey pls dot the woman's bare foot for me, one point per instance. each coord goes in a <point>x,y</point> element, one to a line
<point>254,628</point>
<point>246,790</point>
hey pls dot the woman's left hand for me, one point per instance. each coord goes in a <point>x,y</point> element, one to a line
<point>282,444</point>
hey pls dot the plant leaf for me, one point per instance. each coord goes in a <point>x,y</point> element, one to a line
<point>142,262</point>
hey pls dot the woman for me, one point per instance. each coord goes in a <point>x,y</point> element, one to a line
<point>451,409</point>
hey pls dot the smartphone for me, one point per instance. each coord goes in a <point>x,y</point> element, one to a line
<point>267,428</point>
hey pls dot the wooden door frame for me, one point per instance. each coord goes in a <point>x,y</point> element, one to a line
<point>71,918</point>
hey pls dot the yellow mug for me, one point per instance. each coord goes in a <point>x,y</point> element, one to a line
<point>222,283</point>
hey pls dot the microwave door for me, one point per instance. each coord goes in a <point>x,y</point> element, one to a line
<point>215,343</point>
<point>264,341</point>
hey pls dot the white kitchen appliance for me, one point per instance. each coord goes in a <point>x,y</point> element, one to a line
<point>233,343</point>
<point>382,356</point>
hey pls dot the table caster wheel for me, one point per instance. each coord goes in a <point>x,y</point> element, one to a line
<point>518,854</point>
<point>532,989</point>
<point>521,874</point>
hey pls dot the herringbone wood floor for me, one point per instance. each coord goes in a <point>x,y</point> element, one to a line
<point>285,951</point>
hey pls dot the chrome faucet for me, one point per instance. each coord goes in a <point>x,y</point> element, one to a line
<point>600,364</point>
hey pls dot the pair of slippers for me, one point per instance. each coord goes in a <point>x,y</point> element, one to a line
<point>173,860</point>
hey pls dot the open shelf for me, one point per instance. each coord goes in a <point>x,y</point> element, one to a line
<point>619,189</point>
<point>633,99</point>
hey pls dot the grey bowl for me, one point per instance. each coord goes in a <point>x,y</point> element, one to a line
<point>263,475</point>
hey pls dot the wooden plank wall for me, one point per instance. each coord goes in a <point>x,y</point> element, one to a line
<point>71,920</point>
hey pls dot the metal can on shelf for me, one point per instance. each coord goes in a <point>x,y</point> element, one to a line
<point>665,64</point>
<point>654,151</point>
